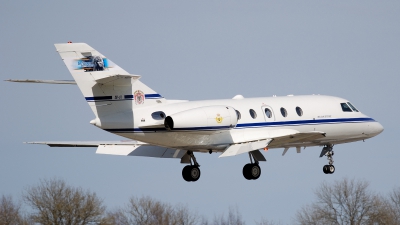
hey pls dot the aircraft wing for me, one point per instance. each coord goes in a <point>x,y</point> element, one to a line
<point>298,138</point>
<point>126,148</point>
<point>276,139</point>
<point>240,148</point>
<point>135,148</point>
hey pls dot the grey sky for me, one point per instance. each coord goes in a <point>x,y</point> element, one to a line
<point>200,50</point>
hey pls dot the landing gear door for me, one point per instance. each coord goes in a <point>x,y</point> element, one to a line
<point>269,115</point>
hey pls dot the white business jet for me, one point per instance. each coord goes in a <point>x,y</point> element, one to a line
<point>163,128</point>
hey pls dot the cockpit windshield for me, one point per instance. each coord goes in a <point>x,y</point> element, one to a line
<point>345,107</point>
<point>352,107</point>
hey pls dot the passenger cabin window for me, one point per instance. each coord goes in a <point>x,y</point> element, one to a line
<point>299,111</point>
<point>253,113</point>
<point>268,113</point>
<point>239,116</point>
<point>352,107</point>
<point>284,112</point>
<point>345,107</point>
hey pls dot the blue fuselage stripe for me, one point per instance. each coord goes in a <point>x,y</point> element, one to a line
<point>99,98</point>
<point>304,122</point>
<point>250,125</point>
<point>126,97</point>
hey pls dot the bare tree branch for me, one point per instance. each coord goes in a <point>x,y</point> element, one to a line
<point>147,211</point>
<point>234,218</point>
<point>9,211</point>
<point>345,202</point>
<point>54,202</point>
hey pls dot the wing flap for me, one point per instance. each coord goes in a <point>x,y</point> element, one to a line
<point>240,148</point>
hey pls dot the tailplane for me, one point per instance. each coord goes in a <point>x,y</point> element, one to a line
<point>106,87</point>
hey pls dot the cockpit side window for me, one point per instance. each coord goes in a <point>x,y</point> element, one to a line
<point>352,107</point>
<point>345,107</point>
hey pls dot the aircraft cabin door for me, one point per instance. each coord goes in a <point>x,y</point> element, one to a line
<point>268,113</point>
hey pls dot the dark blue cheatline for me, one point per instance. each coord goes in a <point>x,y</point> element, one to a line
<point>149,130</point>
<point>248,125</point>
<point>305,122</point>
<point>98,98</point>
<point>152,96</point>
<point>126,97</point>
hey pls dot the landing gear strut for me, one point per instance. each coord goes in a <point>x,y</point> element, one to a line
<point>328,152</point>
<point>191,172</point>
<point>252,171</point>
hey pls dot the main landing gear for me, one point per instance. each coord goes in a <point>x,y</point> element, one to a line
<point>328,152</point>
<point>191,172</point>
<point>252,171</point>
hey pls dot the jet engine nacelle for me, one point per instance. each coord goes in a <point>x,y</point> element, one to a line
<point>203,118</point>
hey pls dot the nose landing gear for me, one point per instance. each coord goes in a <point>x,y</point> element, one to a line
<point>328,152</point>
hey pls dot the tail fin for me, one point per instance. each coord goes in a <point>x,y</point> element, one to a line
<point>106,87</point>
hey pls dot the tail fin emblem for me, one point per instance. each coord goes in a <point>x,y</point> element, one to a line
<point>91,63</point>
<point>139,97</point>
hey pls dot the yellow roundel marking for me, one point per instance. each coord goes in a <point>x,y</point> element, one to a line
<point>218,118</point>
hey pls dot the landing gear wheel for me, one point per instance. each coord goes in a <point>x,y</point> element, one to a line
<point>329,169</point>
<point>328,152</point>
<point>191,173</point>
<point>251,171</point>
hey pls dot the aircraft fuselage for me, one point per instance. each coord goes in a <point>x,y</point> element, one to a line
<point>303,114</point>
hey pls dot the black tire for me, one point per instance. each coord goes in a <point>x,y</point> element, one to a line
<point>325,169</point>
<point>194,173</point>
<point>255,171</point>
<point>246,171</point>
<point>186,173</point>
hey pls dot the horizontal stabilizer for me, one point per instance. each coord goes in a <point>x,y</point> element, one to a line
<point>104,77</point>
<point>44,81</point>
<point>237,149</point>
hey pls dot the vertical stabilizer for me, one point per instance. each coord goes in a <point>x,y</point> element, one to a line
<point>107,88</point>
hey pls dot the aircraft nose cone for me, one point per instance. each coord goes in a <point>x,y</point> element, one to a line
<point>379,128</point>
<point>376,128</point>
